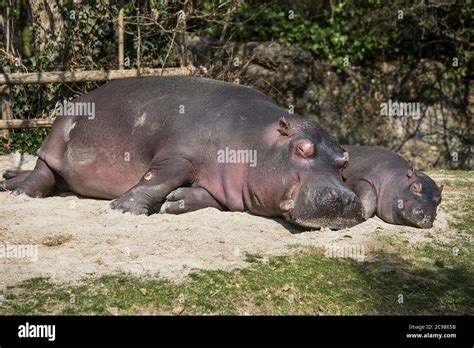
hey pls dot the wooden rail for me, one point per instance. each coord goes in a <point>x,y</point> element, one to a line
<point>9,79</point>
<point>87,76</point>
<point>32,123</point>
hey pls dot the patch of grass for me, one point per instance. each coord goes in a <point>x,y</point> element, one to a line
<point>252,258</point>
<point>458,196</point>
<point>425,278</point>
<point>459,174</point>
<point>304,284</point>
<point>463,214</point>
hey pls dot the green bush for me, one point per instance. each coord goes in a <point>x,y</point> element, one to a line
<point>29,140</point>
<point>363,31</point>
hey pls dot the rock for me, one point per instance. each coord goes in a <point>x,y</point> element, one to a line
<point>420,154</point>
<point>178,310</point>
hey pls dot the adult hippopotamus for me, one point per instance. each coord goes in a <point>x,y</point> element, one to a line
<point>389,187</point>
<point>149,136</point>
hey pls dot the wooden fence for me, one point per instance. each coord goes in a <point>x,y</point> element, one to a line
<point>8,79</point>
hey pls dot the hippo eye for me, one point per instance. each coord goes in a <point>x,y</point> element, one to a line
<point>305,148</point>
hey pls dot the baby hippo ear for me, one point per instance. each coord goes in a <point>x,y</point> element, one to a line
<point>416,187</point>
<point>410,172</point>
<point>283,126</point>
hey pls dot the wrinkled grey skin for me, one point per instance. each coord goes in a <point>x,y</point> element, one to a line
<point>389,187</point>
<point>153,137</point>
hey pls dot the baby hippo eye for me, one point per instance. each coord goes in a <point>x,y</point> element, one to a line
<point>416,187</point>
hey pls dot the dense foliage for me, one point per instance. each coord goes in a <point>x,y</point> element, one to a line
<point>363,31</point>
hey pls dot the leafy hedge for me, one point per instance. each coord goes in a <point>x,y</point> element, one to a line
<point>364,31</point>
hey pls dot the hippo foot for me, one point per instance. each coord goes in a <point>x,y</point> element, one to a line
<point>26,191</point>
<point>9,173</point>
<point>129,205</point>
<point>187,199</point>
<point>17,192</point>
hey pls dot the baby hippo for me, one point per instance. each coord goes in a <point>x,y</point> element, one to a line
<point>390,188</point>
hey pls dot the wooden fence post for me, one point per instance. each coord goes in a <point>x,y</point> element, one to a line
<point>7,113</point>
<point>120,37</point>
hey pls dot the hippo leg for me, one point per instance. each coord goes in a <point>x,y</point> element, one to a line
<point>367,195</point>
<point>187,199</point>
<point>11,173</point>
<point>154,186</point>
<point>38,183</point>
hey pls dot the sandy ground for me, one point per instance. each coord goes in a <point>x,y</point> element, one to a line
<point>77,237</point>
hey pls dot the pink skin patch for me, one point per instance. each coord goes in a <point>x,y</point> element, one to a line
<point>148,176</point>
<point>227,184</point>
<point>105,182</point>
<point>288,200</point>
<point>272,136</point>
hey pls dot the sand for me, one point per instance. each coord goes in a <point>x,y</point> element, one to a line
<point>77,238</point>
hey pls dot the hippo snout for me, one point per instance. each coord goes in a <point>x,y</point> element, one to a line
<point>417,214</point>
<point>326,207</point>
<point>418,218</point>
<point>343,197</point>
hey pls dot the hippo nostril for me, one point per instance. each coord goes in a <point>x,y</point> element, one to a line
<point>349,198</point>
<point>418,213</point>
<point>354,198</point>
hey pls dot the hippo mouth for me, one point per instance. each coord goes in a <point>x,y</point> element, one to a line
<point>425,221</point>
<point>319,209</point>
<point>318,223</point>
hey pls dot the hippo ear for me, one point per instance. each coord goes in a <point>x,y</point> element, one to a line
<point>416,187</point>
<point>441,189</point>
<point>283,126</point>
<point>410,172</point>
